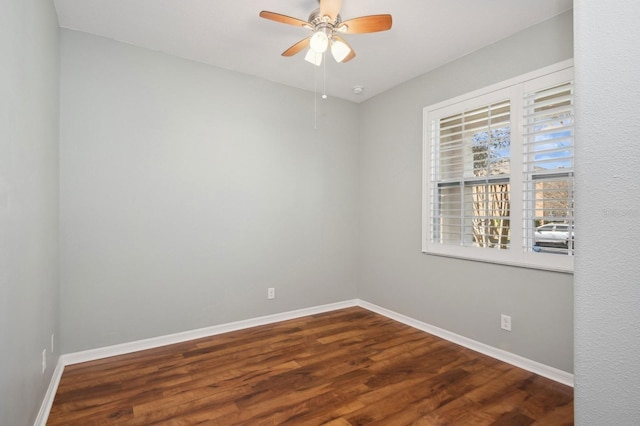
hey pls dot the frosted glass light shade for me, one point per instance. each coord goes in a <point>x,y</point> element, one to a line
<point>314,57</point>
<point>319,41</point>
<point>339,50</point>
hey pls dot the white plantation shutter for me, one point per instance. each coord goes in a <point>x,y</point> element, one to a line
<point>548,166</point>
<point>471,175</point>
<point>498,163</point>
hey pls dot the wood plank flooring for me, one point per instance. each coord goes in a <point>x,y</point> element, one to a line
<point>346,367</point>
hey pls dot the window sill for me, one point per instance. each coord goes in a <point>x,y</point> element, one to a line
<point>550,262</point>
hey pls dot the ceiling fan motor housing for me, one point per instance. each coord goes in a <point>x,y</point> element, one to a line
<point>316,20</point>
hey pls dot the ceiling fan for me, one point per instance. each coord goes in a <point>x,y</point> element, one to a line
<point>326,25</point>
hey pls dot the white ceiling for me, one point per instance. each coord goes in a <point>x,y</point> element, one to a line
<point>230,34</point>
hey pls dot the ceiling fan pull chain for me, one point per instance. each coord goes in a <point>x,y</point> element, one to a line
<point>315,98</point>
<point>324,77</point>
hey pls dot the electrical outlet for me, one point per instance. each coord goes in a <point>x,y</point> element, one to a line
<point>505,322</point>
<point>271,293</point>
<point>44,360</point>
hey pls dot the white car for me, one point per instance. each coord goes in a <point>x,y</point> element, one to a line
<point>554,235</point>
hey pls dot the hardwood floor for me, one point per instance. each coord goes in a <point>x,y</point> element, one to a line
<point>346,367</point>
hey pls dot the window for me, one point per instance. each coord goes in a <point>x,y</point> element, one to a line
<point>498,173</point>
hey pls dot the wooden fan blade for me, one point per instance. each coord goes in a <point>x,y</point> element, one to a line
<point>301,45</point>
<point>284,19</point>
<point>366,24</point>
<point>351,54</point>
<point>330,8</point>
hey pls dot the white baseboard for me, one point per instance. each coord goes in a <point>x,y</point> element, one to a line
<point>154,342</point>
<point>47,403</point>
<point>502,355</point>
<point>139,345</point>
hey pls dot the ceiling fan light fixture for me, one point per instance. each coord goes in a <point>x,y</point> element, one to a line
<point>319,41</point>
<point>326,25</point>
<point>313,57</point>
<point>339,50</point>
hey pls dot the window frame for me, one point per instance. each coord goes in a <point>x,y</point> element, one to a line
<point>515,89</point>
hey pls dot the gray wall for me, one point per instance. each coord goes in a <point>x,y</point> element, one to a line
<point>607,278</point>
<point>28,204</point>
<point>464,297</point>
<point>187,191</point>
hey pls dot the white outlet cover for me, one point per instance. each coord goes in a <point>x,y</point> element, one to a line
<point>505,322</point>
